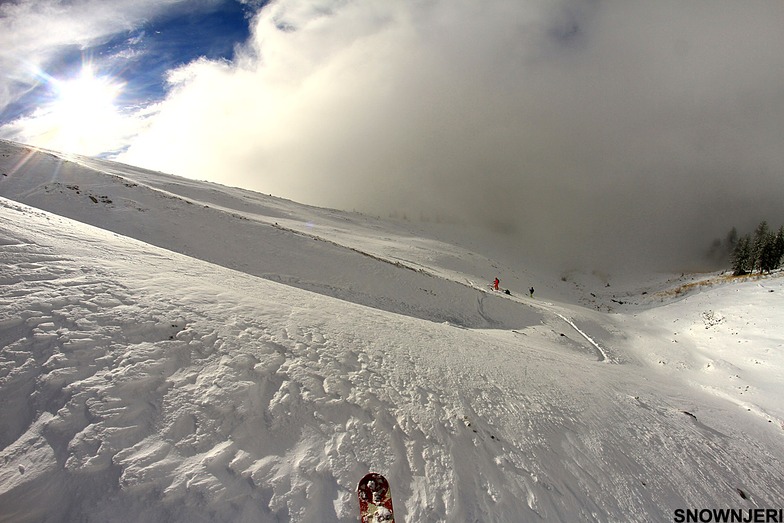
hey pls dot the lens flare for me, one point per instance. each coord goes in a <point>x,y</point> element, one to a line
<point>75,114</point>
<point>87,97</point>
<point>83,116</point>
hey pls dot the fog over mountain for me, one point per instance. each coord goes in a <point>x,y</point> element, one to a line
<point>637,130</point>
<point>592,133</point>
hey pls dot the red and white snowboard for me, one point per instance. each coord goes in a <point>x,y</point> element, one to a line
<point>375,499</point>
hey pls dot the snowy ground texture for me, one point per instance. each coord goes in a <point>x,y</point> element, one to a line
<point>187,352</point>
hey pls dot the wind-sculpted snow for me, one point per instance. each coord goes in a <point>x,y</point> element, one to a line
<point>141,385</point>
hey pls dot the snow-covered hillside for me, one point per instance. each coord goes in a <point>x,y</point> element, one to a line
<point>190,352</point>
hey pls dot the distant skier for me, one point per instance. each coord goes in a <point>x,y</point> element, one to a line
<point>531,291</point>
<point>495,284</point>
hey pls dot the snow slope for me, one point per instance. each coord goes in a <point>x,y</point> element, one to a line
<point>353,257</point>
<point>211,354</point>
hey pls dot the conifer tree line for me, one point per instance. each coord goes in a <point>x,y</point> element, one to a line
<point>761,251</point>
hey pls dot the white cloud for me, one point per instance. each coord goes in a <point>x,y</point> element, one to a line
<point>629,126</point>
<point>33,30</point>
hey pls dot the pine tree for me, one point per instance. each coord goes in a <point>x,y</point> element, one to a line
<point>731,241</point>
<point>760,238</point>
<point>762,251</point>
<point>767,255</point>
<point>720,250</point>
<point>778,248</point>
<point>741,256</point>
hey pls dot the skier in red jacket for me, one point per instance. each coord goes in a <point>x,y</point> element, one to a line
<point>495,283</point>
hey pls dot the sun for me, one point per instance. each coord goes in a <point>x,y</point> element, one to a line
<point>88,95</point>
<point>83,115</point>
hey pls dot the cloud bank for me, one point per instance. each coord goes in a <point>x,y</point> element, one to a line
<point>582,131</point>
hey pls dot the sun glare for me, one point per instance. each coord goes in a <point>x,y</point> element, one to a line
<point>84,116</point>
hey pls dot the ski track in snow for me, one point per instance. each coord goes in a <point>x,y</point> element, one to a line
<point>139,384</point>
<point>604,356</point>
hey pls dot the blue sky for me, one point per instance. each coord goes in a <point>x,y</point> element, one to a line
<point>172,40</point>
<point>140,55</point>
<point>570,126</point>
